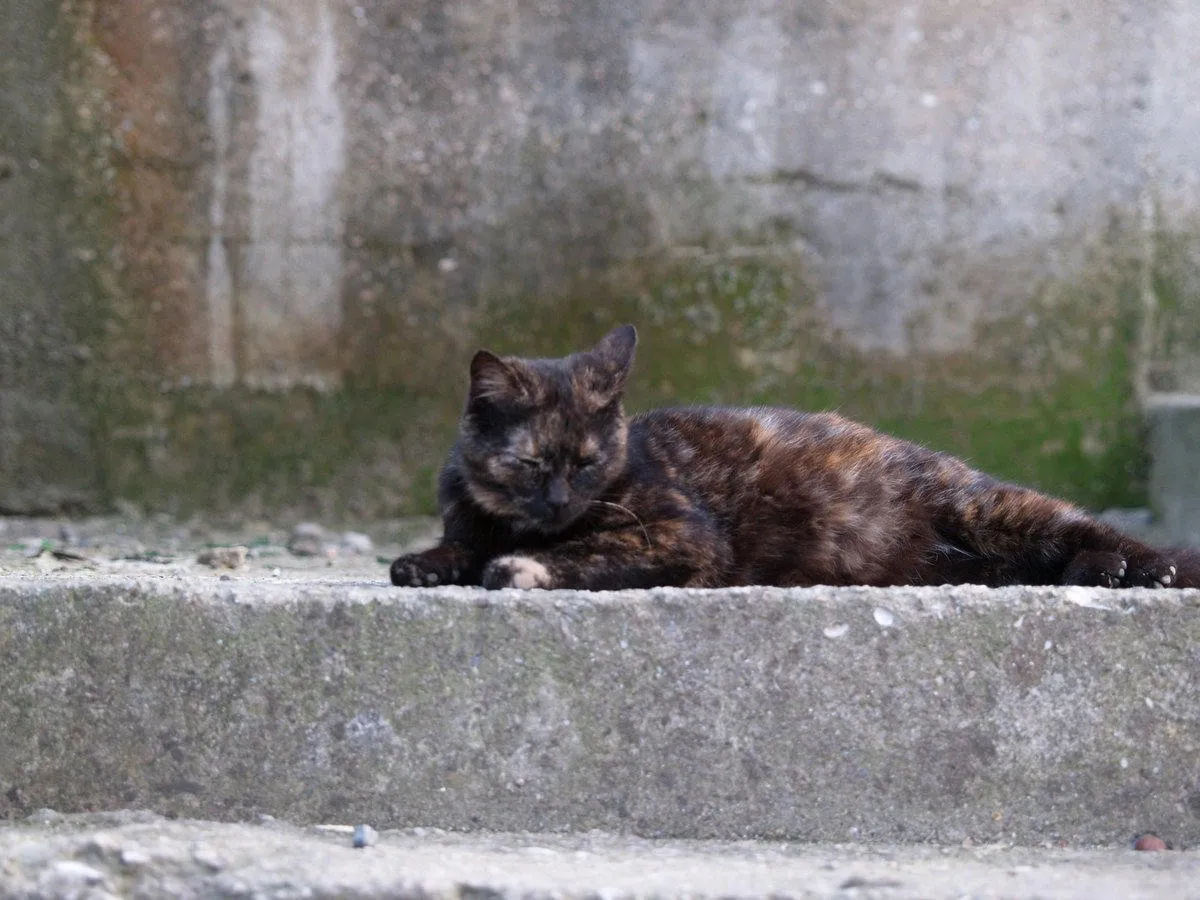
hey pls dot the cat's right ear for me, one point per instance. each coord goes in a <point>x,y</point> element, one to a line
<point>496,380</point>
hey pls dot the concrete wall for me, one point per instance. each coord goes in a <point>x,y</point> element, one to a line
<point>45,441</point>
<point>301,217</point>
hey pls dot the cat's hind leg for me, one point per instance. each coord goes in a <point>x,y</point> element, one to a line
<point>1142,567</point>
<point>1024,537</point>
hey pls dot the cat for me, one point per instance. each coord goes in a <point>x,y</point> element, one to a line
<point>551,485</point>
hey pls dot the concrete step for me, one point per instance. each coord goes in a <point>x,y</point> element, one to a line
<point>1026,715</point>
<point>140,855</point>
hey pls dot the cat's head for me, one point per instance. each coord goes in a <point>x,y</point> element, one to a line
<point>541,438</point>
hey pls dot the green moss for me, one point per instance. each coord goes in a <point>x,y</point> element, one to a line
<point>352,454</point>
<point>1045,398</point>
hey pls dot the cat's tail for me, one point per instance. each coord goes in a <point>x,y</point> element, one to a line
<point>1187,560</point>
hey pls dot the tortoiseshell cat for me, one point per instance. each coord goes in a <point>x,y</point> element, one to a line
<point>549,485</point>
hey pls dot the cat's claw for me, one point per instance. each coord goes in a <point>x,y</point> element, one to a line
<point>407,572</point>
<point>1097,569</point>
<point>1113,570</point>
<point>1152,572</point>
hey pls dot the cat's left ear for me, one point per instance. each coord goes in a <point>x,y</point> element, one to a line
<point>617,347</point>
<point>606,366</point>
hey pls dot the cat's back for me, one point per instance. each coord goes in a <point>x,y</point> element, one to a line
<point>708,440</point>
<point>777,479</point>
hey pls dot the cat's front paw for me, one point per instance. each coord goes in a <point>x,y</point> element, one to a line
<point>516,572</point>
<point>423,570</point>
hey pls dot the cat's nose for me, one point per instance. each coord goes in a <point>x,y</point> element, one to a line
<point>557,494</point>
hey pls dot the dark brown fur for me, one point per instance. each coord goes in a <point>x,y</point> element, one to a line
<point>550,485</point>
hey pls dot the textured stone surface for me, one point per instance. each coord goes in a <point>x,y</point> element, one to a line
<point>45,441</point>
<point>135,854</point>
<point>892,715</point>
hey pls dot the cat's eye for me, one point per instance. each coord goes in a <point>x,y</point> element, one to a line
<point>529,462</point>
<point>586,462</point>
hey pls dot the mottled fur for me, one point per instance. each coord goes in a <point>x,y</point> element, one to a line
<point>551,485</point>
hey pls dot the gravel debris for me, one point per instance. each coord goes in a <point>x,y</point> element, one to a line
<point>223,557</point>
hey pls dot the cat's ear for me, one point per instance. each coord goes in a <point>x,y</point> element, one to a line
<point>498,380</point>
<point>616,348</point>
<point>604,369</point>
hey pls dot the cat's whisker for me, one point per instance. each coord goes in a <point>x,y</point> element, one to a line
<point>630,512</point>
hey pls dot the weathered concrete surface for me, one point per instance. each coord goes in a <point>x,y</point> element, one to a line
<point>46,452</point>
<point>1023,715</point>
<point>132,854</point>
<point>1174,421</point>
<point>287,224</point>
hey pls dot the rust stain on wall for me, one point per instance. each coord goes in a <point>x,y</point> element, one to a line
<point>228,155</point>
<point>157,149</point>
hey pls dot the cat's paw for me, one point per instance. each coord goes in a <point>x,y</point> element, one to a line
<point>1150,569</point>
<point>1098,568</point>
<point>516,572</point>
<point>422,570</point>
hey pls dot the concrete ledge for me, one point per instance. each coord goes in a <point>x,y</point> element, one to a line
<point>138,855</point>
<point>1026,715</point>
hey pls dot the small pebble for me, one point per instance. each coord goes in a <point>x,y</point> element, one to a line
<point>357,543</point>
<point>223,557</point>
<point>32,548</point>
<point>364,836</point>
<point>308,539</point>
<point>70,870</point>
<point>207,857</point>
<point>1150,842</point>
<point>134,858</point>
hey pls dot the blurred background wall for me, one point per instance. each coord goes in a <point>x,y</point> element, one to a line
<point>248,246</point>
